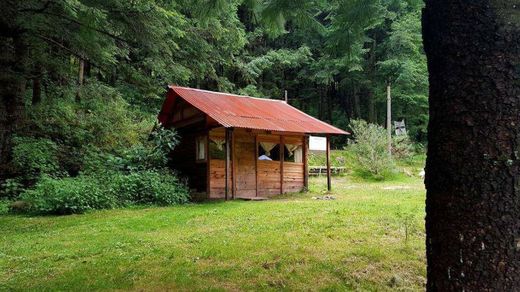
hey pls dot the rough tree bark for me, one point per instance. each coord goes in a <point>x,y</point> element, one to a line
<point>473,164</point>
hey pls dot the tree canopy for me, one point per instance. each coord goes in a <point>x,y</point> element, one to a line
<point>334,57</point>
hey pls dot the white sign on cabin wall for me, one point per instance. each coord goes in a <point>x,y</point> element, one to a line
<point>317,143</point>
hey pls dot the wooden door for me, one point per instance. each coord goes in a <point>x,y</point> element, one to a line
<point>245,166</point>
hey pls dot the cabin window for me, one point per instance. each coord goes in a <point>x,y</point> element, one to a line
<point>201,148</point>
<point>217,148</point>
<point>293,153</point>
<point>268,151</point>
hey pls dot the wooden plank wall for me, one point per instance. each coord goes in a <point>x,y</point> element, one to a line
<point>268,178</point>
<point>217,171</point>
<point>244,161</point>
<point>293,172</point>
<point>292,177</point>
<point>217,174</point>
<point>255,177</point>
<point>269,182</point>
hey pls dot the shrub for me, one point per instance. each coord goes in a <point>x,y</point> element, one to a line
<point>150,155</point>
<point>102,119</point>
<point>35,156</point>
<point>4,207</point>
<point>11,188</point>
<point>101,122</point>
<point>371,149</point>
<point>67,196</point>
<point>147,187</point>
<point>110,190</point>
<point>402,147</point>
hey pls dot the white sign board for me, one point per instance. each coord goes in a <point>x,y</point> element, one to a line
<point>317,143</point>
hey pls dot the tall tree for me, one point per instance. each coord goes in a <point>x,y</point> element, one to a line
<point>473,164</point>
<point>135,43</point>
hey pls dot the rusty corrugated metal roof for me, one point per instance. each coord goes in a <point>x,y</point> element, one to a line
<point>237,111</point>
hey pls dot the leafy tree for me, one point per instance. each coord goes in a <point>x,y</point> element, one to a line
<point>78,72</point>
<point>370,149</point>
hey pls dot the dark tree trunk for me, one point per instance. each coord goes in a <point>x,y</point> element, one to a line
<point>320,106</point>
<point>330,100</point>
<point>88,68</point>
<point>37,85</point>
<point>357,106</point>
<point>473,166</point>
<point>371,107</point>
<point>13,64</point>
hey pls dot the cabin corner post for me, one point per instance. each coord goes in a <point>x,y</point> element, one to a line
<point>282,150</point>
<point>228,162</point>
<point>305,163</point>
<point>233,165</point>
<point>256,165</point>
<point>328,163</point>
<point>208,170</point>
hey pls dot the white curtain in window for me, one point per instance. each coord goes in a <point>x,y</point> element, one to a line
<point>298,154</point>
<point>295,150</point>
<point>267,146</point>
<point>219,142</point>
<point>201,148</point>
<point>291,148</point>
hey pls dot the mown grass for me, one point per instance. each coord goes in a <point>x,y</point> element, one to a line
<point>293,242</point>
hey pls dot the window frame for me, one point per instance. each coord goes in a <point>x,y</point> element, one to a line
<point>300,145</point>
<point>204,140</point>
<point>269,139</point>
<point>209,148</point>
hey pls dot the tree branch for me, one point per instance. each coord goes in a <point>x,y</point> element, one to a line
<point>67,49</point>
<point>89,27</point>
<point>37,10</point>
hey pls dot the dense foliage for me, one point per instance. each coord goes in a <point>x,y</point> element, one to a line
<point>82,81</point>
<point>83,193</point>
<point>371,149</point>
<point>95,153</point>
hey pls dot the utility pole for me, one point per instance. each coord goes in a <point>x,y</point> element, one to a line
<point>285,96</point>
<point>389,118</point>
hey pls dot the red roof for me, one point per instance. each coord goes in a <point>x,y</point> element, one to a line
<point>237,111</point>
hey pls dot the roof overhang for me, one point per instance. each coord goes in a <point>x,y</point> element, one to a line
<point>237,111</point>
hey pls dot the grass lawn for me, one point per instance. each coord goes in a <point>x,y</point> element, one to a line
<point>294,242</point>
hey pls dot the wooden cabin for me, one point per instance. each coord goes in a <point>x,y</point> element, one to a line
<point>236,146</point>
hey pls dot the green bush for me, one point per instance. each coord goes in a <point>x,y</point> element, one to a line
<point>147,187</point>
<point>110,190</point>
<point>102,123</point>
<point>35,156</point>
<point>11,188</point>
<point>67,196</point>
<point>402,148</point>
<point>4,207</point>
<point>371,149</point>
<point>102,119</point>
<point>150,155</point>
